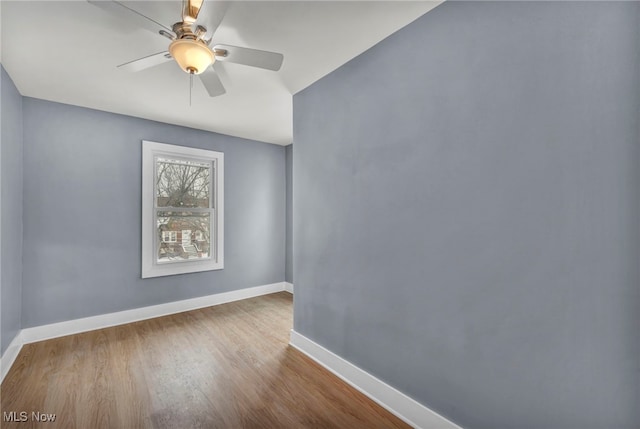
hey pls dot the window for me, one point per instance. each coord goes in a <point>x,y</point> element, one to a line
<point>169,236</point>
<point>182,210</point>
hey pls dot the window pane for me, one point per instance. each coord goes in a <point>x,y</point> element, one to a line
<point>181,183</point>
<point>183,236</point>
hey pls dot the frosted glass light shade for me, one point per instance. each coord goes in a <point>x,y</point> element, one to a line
<point>192,56</point>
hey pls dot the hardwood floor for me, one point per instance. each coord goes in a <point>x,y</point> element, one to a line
<point>227,366</point>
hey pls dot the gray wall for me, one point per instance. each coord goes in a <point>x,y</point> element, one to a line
<point>466,213</point>
<point>11,208</point>
<point>289,208</point>
<point>82,209</point>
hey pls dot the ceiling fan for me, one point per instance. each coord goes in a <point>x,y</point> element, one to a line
<point>190,44</point>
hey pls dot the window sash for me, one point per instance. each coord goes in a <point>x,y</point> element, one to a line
<point>213,248</point>
<point>212,177</point>
<point>213,251</point>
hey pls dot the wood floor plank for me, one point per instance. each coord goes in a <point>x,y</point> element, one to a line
<point>227,366</point>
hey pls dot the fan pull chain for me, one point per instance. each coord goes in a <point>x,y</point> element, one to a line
<point>190,86</point>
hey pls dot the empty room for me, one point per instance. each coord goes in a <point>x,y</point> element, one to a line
<point>320,214</point>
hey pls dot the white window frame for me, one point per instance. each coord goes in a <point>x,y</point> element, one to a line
<point>173,236</point>
<point>150,265</point>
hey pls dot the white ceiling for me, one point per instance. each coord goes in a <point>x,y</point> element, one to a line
<point>68,52</point>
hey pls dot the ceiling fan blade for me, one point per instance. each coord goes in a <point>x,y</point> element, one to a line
<point>191,9</point>
<point>211,15</point>
<point>249,57</point>
<point>122,11</point>
<point>212,82</point>
<point>146,62</point>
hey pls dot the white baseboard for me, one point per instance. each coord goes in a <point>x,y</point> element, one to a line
<point>407,409</point>
<point>288,287</point>
<point>10,354</point>
<point>45,332</point>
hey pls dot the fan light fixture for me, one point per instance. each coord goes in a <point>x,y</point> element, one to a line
<point>191,55</point>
